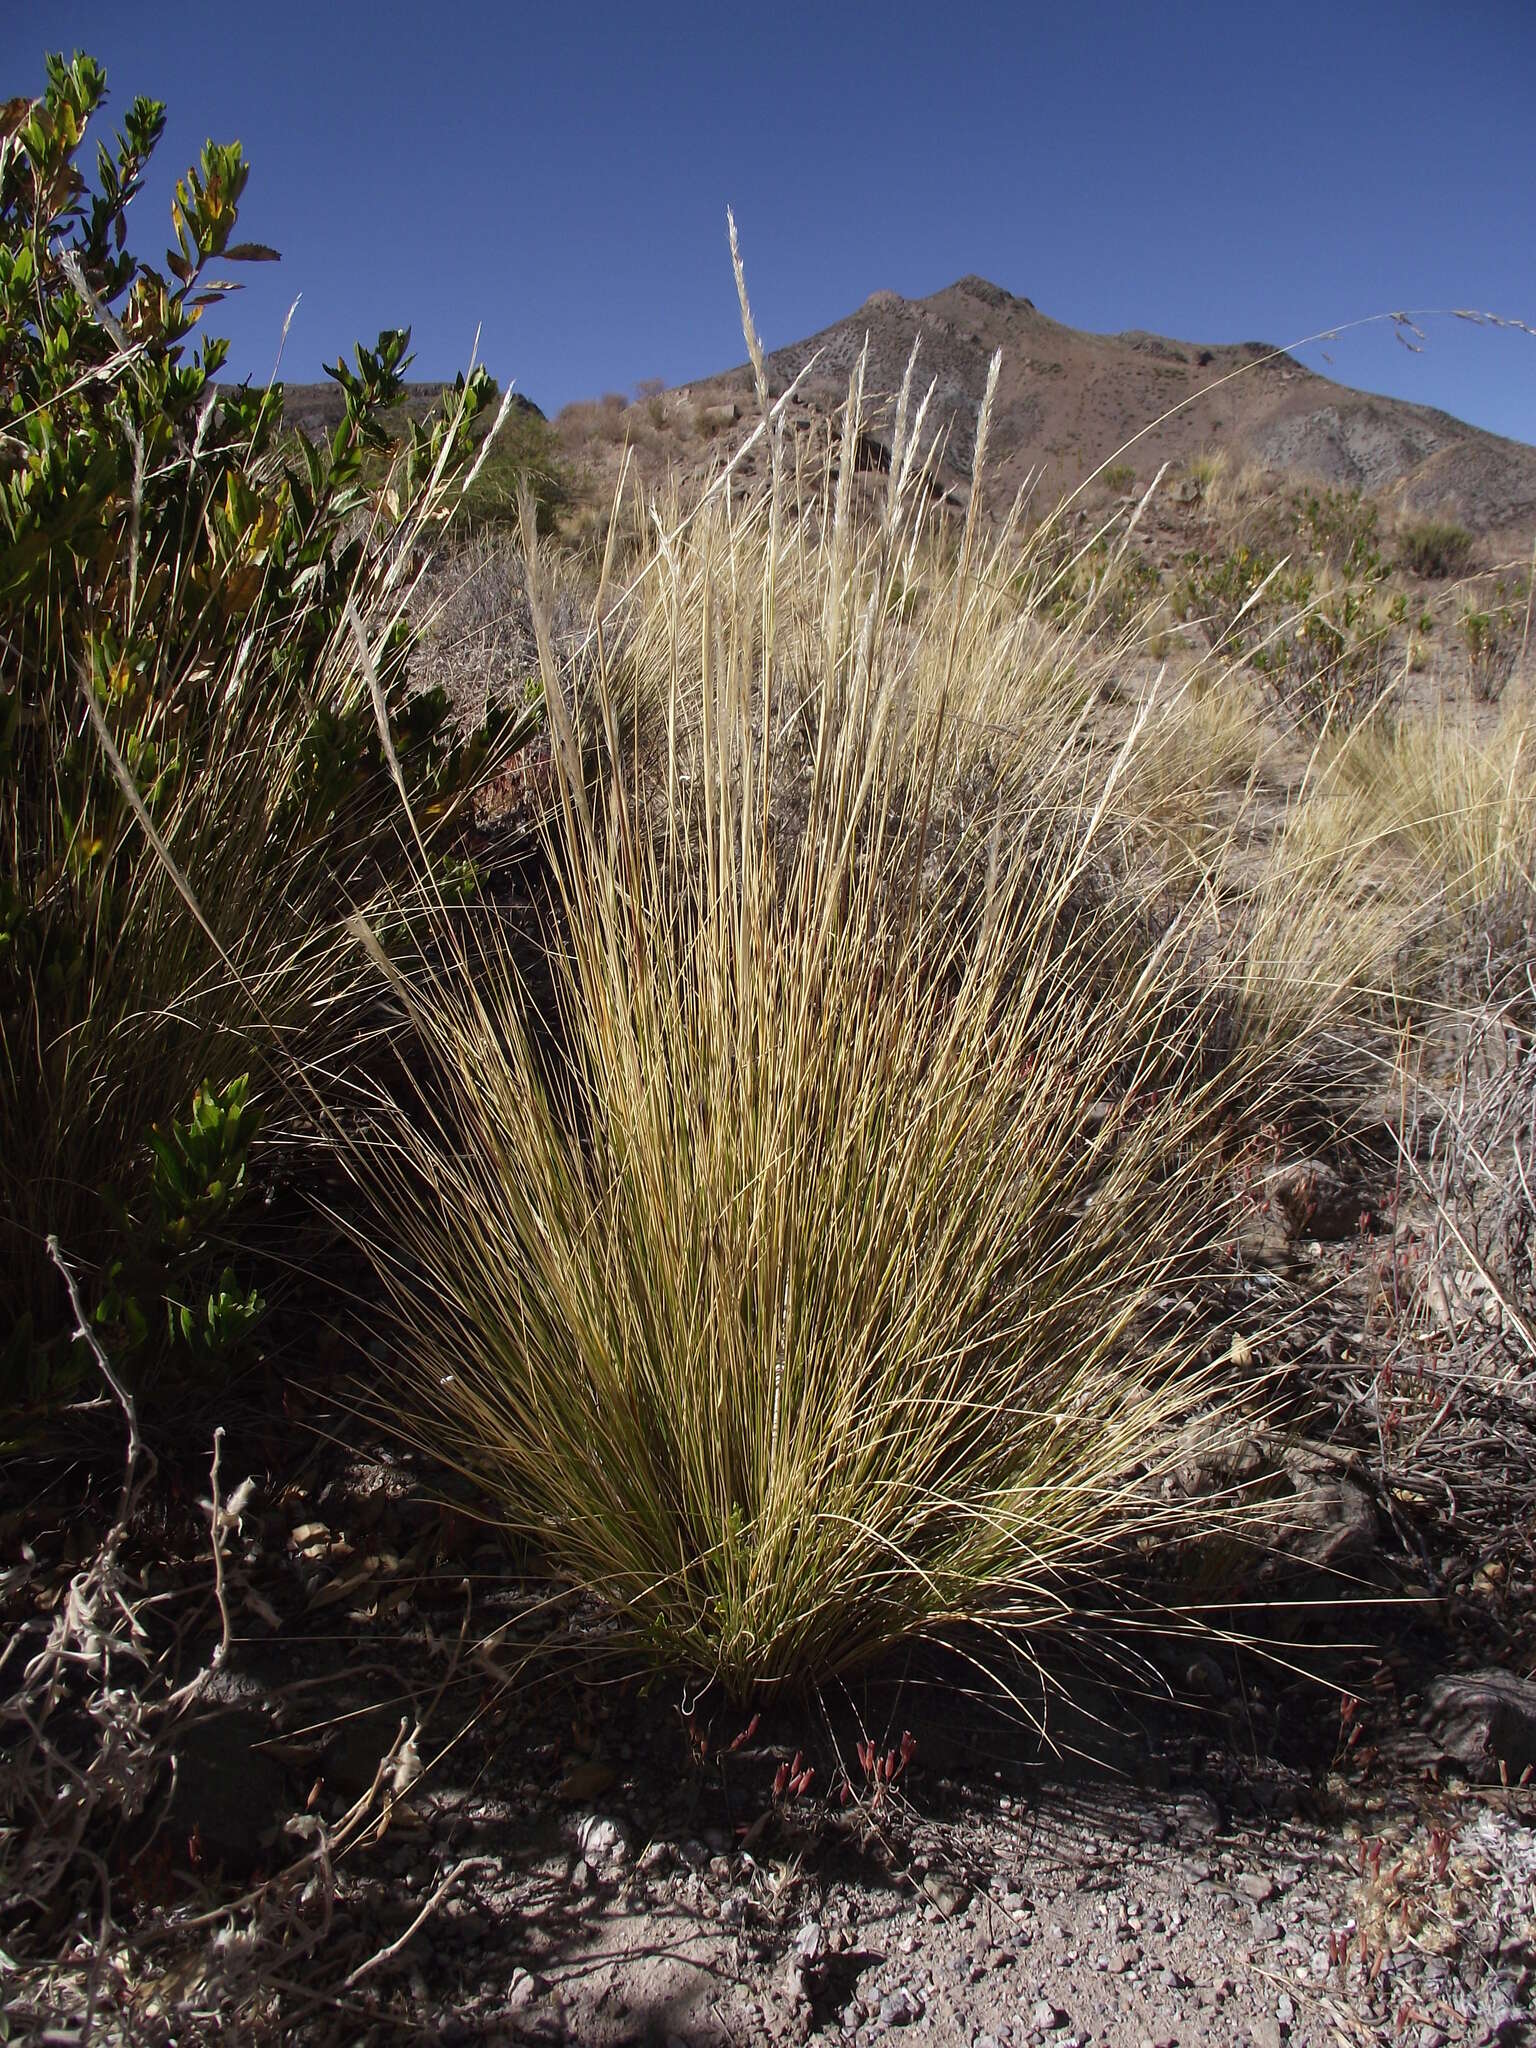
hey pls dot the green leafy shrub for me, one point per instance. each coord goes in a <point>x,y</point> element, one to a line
<point>1342,528</point>
<point>1434,548</point>
<point>194,782</point>
<point>1324,657</point>
<point>1219,593</point>
<point>1491,636</point>
<point>1102,586</point>
<point>526,453</point>
<point>198,1174</point>
<point>1318,638</point>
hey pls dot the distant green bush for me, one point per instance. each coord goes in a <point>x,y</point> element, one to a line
<point>1317,640</point>
<point>1102,586</point>
<point>194,787</point>
<point>1491,635</point>
<point>1342,528</point>
<point>1435,548</point>
<point>525,454</point>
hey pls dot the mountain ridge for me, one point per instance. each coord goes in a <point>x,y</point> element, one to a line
<point>1069,401</point>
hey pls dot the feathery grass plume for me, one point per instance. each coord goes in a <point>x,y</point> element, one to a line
<point>803,1284</point>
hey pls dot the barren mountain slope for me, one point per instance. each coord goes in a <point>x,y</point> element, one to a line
<point>1068,401</point>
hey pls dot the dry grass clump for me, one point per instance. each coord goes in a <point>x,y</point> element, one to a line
<point>595,419</point>
<point>1197,755</point>
<point>800,1282</point>
<point>1462,803</point>
<point>1234,490</point>
<point>1327,923</point>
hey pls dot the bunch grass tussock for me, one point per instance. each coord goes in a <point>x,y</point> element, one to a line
<point>1328,923</point>
<point>1198,760</point>
<point>1460,802</point>
<point>806,1282</point>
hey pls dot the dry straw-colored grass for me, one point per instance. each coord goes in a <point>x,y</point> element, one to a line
<point>1462,804</point>
<point>802,1279</point>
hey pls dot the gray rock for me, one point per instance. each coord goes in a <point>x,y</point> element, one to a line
<point>1484,1719</point>
<point>1501,2014</point>
<point>1330,1520</point>
<point>1310,1198</point>
<point>1198,1816</point>
<point>356,1748</point>
<point>602,1839</point>
<point>228,1794</point>
<point>810,1943</point>
<point>899,2008</point>
<point>524,1990</point>
<point>1046,2017</point>
<point>949,1897</point>
<point>1203,1676</point>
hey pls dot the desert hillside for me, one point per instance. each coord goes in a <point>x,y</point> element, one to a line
<point>1069,401</point>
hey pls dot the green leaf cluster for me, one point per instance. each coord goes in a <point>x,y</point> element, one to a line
<point>198,1174</point>
<point>1317,638</point>
<point>181,699</point>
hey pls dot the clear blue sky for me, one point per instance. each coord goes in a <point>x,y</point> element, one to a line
<point>558,174</point>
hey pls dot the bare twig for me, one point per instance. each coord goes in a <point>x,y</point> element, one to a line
<point>383,1955</point>
<point>137,1449</point>
<point>219,1518</point>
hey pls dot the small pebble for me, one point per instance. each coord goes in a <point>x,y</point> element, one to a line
<point>602,1839</point>
<point>900,2007</point>
<point>810,1941</point>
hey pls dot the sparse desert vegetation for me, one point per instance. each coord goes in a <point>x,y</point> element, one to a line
<point>699,1096</point>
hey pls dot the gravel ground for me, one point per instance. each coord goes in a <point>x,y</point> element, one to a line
<point>1263,1854</point>
<point>419,1800</point>
<point>1180,1889</point>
